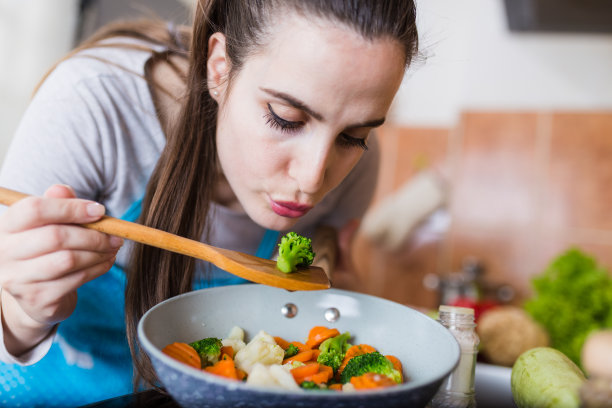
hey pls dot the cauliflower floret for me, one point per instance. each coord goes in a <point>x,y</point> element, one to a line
<point>348,387</point>
<point>271,376</point>
<point>235,339</point>
<point>236,333</point>
<point>261,349</point>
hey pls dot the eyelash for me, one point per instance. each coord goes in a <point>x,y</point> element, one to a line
<point>276,122</point>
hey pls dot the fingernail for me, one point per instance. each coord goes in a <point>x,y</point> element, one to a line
<point>116,242</point>
<point>95,209</point>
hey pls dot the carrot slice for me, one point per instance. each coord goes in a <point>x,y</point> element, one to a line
<point>397,364</point>
<point>371,380</point>
<point>241,374</point>
<point>300,346</point>
<point>319,378</point>
<point>354,351</point>
<point>335,387</point>
<point>281,342</point>
<point>327,369</point>
<point>223,368</point>
<point>184,353</point>
<point>302,356</point>
<point>227,350</point>
<point>304,371</point>
<point>319,334</point>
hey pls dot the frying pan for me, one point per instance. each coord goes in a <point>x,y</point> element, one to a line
<point>426,349</point>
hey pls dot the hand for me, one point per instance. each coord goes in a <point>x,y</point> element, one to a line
<point>44,259</point>
<point>345,275</point>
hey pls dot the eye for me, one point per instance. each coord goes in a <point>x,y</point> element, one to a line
<point>348,141</point>
<point>276,122</point>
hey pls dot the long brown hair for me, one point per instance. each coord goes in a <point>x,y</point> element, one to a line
<point>179,193</point>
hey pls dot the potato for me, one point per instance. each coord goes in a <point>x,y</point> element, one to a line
<point>544,377</point>
<point>506,332</point>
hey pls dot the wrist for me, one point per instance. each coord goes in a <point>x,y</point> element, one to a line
<point>20,331</point>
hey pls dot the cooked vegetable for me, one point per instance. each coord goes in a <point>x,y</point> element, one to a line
<point>209,350</point>
<point>307,370</point>
<point>310,385</point>
<point>261,362</point>
<point>397,364</point>
<point>371,380</point>
<point>272,376</point>
<point>235,339</point>
<point>333,351</point>
<point>261,349</point>
<point>315,372</point>
<point>319,334</point>
<point>281,342</point>
<point>354,351</point>
<point>302,356</point>
<point>294,250</point>
<point>572,298</point>
<point>184,353</point>
<point>370,363</point>
<point>224,367</point>
<point>544,377</point>
<point>291,350</point>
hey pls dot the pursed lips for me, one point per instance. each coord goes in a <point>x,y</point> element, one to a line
<point>289,209</point>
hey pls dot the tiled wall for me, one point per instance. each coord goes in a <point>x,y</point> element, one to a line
<point>525,186</point>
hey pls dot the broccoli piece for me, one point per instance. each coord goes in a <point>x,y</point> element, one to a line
<point>294,250</point>
<point>291,351</point>
<point>370,363</point>
<point>209,350</point>
<point>310,385</point>
<point>333,350</point>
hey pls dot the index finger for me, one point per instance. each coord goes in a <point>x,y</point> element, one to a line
<point>33,212</point>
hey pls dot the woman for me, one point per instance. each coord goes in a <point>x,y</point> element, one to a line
<point>256,122</point>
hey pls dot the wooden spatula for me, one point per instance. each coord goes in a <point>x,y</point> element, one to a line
<point>246,266</point>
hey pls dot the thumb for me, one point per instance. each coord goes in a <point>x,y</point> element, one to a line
<point>60,191</point>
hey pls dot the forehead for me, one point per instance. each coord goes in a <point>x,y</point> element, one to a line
<point>317,58</point>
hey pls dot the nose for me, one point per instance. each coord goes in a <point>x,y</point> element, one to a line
<point>310,164</point>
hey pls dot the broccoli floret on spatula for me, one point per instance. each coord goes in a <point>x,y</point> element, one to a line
<point>294,250</point>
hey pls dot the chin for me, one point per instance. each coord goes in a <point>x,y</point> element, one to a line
<point>276,222</point>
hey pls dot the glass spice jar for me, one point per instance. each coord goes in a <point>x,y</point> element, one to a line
<point>457,390</point>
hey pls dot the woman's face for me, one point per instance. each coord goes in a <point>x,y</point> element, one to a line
<point>297,116</point>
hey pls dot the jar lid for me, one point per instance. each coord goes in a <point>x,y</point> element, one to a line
<point>456,309</point>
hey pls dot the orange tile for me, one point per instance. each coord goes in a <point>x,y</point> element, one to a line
<point>387,137</point>
<point>578,194</point>
<point>507,259</point>
<point>495,180</point>
<point>418,149</point>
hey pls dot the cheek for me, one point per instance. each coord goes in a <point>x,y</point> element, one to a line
<point>246,151</point>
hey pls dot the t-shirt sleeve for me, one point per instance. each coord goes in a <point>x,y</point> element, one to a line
<point>58,140</point>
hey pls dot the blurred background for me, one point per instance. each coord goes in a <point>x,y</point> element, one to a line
<point>497,154</point>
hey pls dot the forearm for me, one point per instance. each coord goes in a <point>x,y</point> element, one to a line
<point>21,333</point>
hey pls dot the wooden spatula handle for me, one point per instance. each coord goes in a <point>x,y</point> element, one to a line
<point>130,230</point>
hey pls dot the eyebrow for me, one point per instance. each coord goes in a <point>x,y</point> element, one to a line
<point>296,103</point>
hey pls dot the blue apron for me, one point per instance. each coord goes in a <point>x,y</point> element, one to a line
<point>89,359</point>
